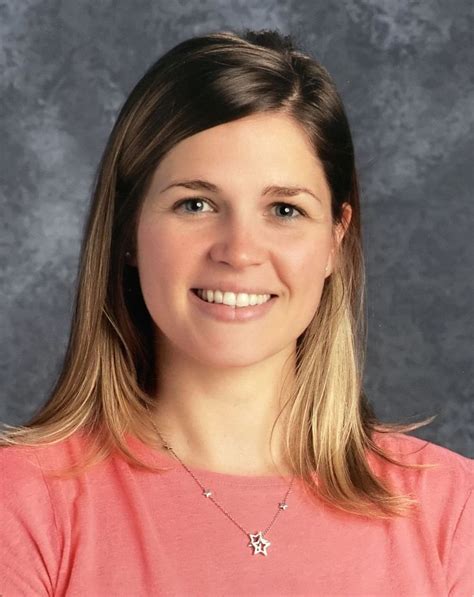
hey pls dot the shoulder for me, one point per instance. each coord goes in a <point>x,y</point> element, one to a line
<point>26,509</point>
<point>413,450</point>
<point>19,467</point>
<point>442,490</point>
<point>449,466</point>
<point>445,501</point>
<point>32,500</point>
<point>25,467</point>
<point>34,515</point>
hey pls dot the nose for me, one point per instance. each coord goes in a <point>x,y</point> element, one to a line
<point>240,242</point>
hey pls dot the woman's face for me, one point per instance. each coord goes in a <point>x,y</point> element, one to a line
<point>236,232</point>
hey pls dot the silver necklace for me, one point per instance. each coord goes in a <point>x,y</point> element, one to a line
<point>258,540</point>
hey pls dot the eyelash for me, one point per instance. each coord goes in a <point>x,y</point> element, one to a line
<point>291,205</point>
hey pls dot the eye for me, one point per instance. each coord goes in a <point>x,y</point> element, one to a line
<point>290,207</point>
<point>190,200</point>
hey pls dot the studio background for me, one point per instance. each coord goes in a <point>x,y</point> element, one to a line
<point>404,70</point>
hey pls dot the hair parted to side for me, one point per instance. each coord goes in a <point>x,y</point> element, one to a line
<point>107,381</point>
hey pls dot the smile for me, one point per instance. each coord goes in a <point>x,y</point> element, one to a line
<point>234,312</point>
<point>231,299</point>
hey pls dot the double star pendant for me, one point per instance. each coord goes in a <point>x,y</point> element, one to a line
<point>258,541</point>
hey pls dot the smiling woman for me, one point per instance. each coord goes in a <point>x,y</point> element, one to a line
<point>209,433</point>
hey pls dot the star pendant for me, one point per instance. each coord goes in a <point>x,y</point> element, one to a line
<point>259,543</point>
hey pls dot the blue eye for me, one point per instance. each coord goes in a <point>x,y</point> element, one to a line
<point>197,200</point>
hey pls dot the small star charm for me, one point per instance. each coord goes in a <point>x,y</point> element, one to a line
<point>207,492</point>
<point>283,506</point>
<point>259,543</point>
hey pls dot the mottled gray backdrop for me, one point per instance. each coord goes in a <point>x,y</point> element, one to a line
<point>404,69</point>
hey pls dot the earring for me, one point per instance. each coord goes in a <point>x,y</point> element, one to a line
<point>129,258</point>
<point>128,255</point>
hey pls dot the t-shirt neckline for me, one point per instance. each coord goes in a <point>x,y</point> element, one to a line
<point>204,476</point>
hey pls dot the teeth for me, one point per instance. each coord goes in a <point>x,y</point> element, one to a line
<point>232,299</point>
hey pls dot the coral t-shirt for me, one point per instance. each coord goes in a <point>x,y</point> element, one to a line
<point>122,532</point>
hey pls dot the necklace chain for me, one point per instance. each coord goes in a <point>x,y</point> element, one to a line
<point>208,494</point>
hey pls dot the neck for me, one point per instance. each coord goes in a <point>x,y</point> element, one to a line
<point>221,420</point>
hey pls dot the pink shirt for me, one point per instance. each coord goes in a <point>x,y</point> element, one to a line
<point>121,532</point>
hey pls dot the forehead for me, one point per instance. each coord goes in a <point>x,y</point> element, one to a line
<point>246,154</point>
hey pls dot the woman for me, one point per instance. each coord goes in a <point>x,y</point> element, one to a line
<point>208,433</point>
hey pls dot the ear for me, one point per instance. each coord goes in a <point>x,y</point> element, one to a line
<point>339,232</point>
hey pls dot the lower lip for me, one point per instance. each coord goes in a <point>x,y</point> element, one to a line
<point>223,312</point>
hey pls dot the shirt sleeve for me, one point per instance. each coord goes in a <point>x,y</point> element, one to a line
<point>461,561</point>
<point>28,534</point>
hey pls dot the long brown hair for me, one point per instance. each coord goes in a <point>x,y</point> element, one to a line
<point>108,380</point>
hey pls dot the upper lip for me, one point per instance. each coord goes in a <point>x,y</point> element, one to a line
<point>233,288</point>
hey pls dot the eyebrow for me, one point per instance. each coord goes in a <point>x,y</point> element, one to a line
<point>279,191</point>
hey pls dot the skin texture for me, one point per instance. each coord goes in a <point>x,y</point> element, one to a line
<point>219,381</point>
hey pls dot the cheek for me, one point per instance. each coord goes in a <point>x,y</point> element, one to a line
<point>160,251</point>
<point>305,273</point>
<point>163,259</point>
<point>305,262</point>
